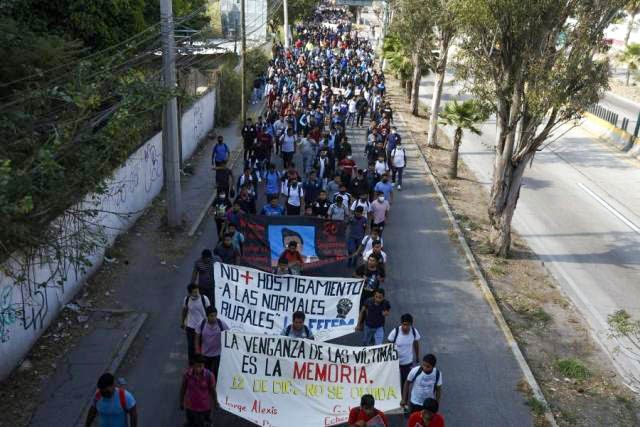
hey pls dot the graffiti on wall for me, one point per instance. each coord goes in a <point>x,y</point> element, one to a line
<point>8,312</point>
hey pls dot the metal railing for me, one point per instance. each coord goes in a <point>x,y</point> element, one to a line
<point>611,117</point>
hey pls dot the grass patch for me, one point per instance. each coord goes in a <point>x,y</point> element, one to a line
<point>483,248</point>
<point>497,270</point>
<point>540,316</point>
<point>536,406</point>
<point>572,368</point>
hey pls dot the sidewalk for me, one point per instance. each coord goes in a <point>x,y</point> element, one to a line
<point>151,281</point>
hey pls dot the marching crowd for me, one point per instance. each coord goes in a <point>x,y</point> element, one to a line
<point>315,91</point>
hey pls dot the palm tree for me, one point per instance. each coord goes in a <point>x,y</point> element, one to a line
<point>631,57</point>
<point>462,116</point>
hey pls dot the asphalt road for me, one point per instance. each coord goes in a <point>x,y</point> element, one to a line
<point>579,210</point>
<point>428,278</point>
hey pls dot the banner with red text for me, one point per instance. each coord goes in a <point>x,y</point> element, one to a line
<point>277,381</point>
<point>257,302</point>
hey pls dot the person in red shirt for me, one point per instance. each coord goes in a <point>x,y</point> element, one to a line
<point>292,255</point>
<point>366,414</point>
<point>428,417</point>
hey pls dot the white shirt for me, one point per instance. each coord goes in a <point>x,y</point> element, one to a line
<point>288,143</point>
<point>399,157</point>
<point>423,384</point>
<point>293,194</point>
<point>352,106</point>
<point>365,255</point>
<point>195,311</point>
<point>381,167</point>
<point>367,241</point>
<point>404,344</point>
<point>366,206</point>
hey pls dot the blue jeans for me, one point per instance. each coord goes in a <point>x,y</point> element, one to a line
<point>373,336</point>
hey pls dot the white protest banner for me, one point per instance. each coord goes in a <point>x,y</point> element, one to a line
<point>256,302</point>
<point>277,381</point>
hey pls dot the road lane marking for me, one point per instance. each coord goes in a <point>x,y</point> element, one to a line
<point>610,208</point>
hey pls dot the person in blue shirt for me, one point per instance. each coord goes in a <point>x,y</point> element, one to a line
<point>272,181</point>
<point>220,153</point>
<point>113,406</point>
<point>385,187</point>
<point>272,208</point>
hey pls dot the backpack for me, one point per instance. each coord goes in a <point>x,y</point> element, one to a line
<point>288,330</point>
<point>186,302</point>
<point>435,384</point>
<point>204,321</point>
<point>122,398</point>
<point>299,190</point>
<point>413,331</point>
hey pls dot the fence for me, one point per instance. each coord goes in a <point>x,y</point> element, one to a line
<point>611,117</point>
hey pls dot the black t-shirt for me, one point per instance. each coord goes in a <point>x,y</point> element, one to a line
<point>372,277</point>
<point>375,318</point>
<point>222,177</point>
<point>321,208</point>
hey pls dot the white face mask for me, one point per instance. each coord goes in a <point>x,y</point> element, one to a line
<point>381,199</point>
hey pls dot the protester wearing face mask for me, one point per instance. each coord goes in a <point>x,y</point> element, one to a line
<point>194,311</point>
<point>380,211</point>
<point>385,187</point>
<point>220,206</point>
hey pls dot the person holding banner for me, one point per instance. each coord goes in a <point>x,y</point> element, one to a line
<point>366,415</point>
<point>372,315</point>
<point>424,382</point>
<point>297,328</point>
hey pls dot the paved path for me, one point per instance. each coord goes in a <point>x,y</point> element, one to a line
<point>587,232</point>
<point>428,279</point>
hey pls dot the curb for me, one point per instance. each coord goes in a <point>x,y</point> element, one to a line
<point>117,359</point>
<point>484,285</point>
<point>236,155</point>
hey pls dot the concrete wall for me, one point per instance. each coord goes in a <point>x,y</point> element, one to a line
<point>607,132</point>
<point>27,309</point>
<point>196,122</point>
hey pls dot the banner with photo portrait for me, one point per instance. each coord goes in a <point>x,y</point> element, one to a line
<point>257,302</point>
<point>321,243</point>
<point>281,381</point>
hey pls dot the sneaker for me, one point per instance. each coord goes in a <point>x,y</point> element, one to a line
<point>399,187</point>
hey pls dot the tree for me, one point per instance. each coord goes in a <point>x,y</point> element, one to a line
<point>444,32</point>
<point>413,24</point>
<point>399,60</point>
<point>632,9</point>
<point>510,53</point>
<point>462,116</point>
<point>626,331</point>
<point>631,57</point>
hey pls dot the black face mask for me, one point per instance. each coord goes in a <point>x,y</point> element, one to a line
<point>106,394</point>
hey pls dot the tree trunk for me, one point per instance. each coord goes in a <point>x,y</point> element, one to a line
<point>453,163</point>
<point>630,28</point>
<point>415,84</point>
<point>628,75</point>
<point>407,87</point>
<point>502,208</point>
<point>441,68</point>
<point>507,175</point>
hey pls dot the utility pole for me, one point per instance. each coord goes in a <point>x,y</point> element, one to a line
<point>170,150</point>
<point>244,64</point>
<point>285,6</point>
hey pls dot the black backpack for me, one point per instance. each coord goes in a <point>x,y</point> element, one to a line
<point>413,331</point>
<point>204,321</point>
<point>435,384</point>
